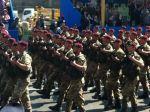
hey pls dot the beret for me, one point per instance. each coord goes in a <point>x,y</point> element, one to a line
<point>23,43</point>
<point>79,45</point>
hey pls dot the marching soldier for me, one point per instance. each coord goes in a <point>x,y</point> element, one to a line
<point>23,71</point>
<point>65,58</point>
<point>131,67</point>
<point>144,51</point>
<point>112,83</point>
<point>10,74</point>
<point>78,68</point>
<point>104,62</point>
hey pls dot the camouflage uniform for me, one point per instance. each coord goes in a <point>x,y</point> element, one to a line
<point>144,71</point>
<point>75,92</point>
<point>21,90</point>
<point>131,71</point>
<point>104,62</point>
<point>112,83</point>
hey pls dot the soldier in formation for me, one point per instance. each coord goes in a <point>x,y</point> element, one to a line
<point>114,66</point>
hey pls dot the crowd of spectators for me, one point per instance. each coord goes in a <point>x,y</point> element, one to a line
<point>90,12</point>
<point>139,11</point>
<point>4,11</point>
<point>118,12</point>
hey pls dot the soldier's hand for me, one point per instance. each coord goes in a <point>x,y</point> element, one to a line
<point>64,57</point>
<point>130,57</point>
<point>72,63</point>
<point>13,62</point>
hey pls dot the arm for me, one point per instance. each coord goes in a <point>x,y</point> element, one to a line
<point>144,52</point>
<point>138,62</point>
<point>107,51</point>
<point>26,65</point>
<point>79,67</point>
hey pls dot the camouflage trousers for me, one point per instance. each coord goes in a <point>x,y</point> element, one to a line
<point>21,93</point>
<point>64,86</point>
<point>75,93</point>
<point>128,93</point>
<point>50,77</point>
<point>91,71</point>
<point>41,67</point>
<point>7,92</point>
<point>3,80</point>
<point>112,85</point>
<point>101,75</point>
<point>143,79</point>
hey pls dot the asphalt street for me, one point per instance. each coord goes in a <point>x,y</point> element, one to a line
<point>91,105</point>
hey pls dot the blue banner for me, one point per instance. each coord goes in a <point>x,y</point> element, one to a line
<point>71,15</point>
<point>11,12</point>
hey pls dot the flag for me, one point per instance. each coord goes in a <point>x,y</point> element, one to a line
<point>71,15</point>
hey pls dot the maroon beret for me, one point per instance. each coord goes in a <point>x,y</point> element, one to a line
<point>12,40</point>
<point>134,33</point>
<point>23,43</point>
<point>69,41</point>
<point>120,31</point>
<point>107,37</point>
<point>140,28</point>
<point>118,41</point>
<point>104,29</point>
<point>79,45</point>
<point>144,37</point>
<point>132,28</point>
<point>112,30</point>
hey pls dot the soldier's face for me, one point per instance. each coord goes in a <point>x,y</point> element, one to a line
<point>132,37</point>
<point>76,50</point>
<point>142,41</point>
<point>21,48</point>
<point>131,48</point>
<point>68,45</point>
<point>14,48</point>
<point>116,45</point>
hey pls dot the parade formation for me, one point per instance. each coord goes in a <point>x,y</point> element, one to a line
<point>115,65</point>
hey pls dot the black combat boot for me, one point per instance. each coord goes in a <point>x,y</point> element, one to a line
<point>134,109</point>
<point>109,106</point>
<point>117,104</point>
<point>85,88</point>
<point>56,108</point>
<point>96,96</point>
<point>36,85</point>
<point>41,92</point>
<point>74,106</point>
<point>144,95</point>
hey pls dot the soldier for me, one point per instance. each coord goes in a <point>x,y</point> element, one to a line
<point>139,32</point>
<point>23,71</point>
<point>5,48</point>
<point>90,65</point>
<point>104,61</point>
<point>144,51</point>
<point>94,65</point>
<point>112,83</point>
<point>11,78</point>
<point>133,38</point>
<point>66,56</point>
<point>131,67</point>
<point>111,33</point>
<point>78,68</point>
